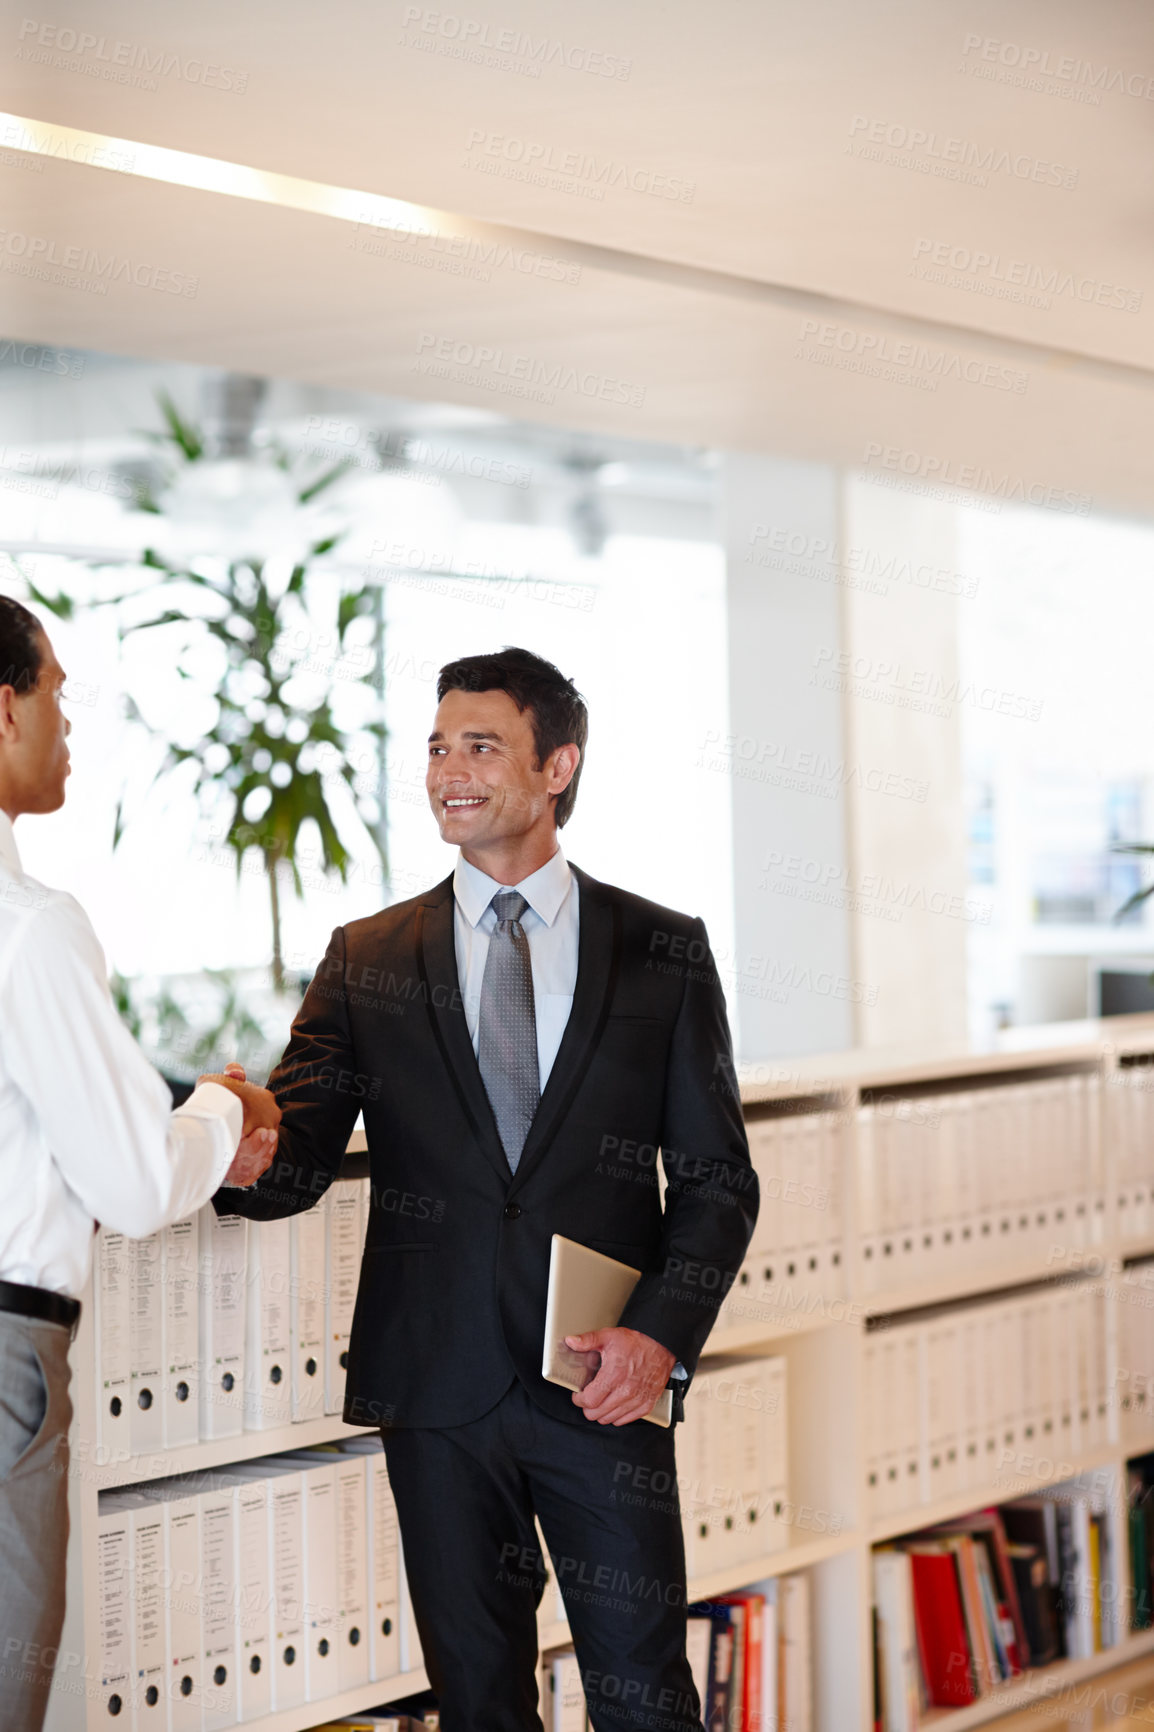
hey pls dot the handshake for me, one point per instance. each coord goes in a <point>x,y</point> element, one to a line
<point>258,1139</point>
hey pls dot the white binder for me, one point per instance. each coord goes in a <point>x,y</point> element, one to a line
<point>833,1185</point>
<point>308,1235</point>
<point>148,1590</point>
<point>322,1653</point>
<point>218,1602</point>
<point>342,1274</point>
<point>897,1647</point>
<point>223,1258</point>
<point>146,1377</point>
<point>113,1571</point>
<point>568,1696</point>
<point>254,1608</point>
<point>182,1576</point>
<point>694,1477</point>
<point>180,1339</point>
<point>869,1198</point>
<point>771,1423</point>
<point>114,1261</point>
<point>354,1637</point>
<point>287,1561</point>
<point>268,1338</point>
<point>384,1555</point>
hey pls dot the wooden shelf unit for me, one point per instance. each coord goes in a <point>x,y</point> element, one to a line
<point>825,1352</point>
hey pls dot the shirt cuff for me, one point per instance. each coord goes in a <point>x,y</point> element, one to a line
<point>679,1371</point>
<point>210,1101</point>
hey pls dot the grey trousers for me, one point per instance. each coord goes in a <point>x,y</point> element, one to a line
<point>35,1413</point>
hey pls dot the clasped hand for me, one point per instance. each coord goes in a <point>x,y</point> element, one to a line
<point>258,1140</point>
<point>632,1370</point>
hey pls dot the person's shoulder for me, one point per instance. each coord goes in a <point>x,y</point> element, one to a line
<point>398,920</point>
<point>639,912</point>
<point>38,920</point>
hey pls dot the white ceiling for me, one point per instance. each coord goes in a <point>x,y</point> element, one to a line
<point>707,312</point>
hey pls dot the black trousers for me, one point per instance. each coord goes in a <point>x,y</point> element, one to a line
<point>606,1497</point>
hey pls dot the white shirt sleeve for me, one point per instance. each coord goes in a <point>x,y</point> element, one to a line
<point>105,1113</point>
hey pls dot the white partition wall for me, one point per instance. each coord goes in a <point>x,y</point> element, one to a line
<point>843,749</point>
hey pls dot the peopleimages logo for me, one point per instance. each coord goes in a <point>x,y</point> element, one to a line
<point>134,63</point>
<point>517,375</point>
<point>500,153</point>
<point>991,273</point>
<point>922,148</point>
<point>1067,69</point>
<point>877,351</point>
<point>943,471</point>
<point>507,49</point>
<point>50,260</point>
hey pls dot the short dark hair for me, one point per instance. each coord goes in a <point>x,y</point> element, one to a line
<point>555,705</point>
<point>21,645</point>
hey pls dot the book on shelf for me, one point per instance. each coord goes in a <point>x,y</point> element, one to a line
<point>795,1654</point>
<point>897,1673</point>
<point>718,1690</point>
<point>993,1594</point>
<point>1140,1515</point>
<point>1037,1602</point>
<point>944,1648</point>
<point>735,1649</point>
<point>746,1707</point>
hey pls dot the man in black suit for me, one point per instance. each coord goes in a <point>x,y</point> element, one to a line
<point>523,1040</point>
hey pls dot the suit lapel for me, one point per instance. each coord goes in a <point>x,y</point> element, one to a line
<point>598,958</point>
<point>444,1001</point>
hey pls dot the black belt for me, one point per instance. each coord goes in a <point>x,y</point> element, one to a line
<point>38,1302</point>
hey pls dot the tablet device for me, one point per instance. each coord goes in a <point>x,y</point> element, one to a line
<point>587,1290</point>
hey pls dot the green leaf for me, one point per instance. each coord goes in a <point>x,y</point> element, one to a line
<point>309,493</point>
<point>63,606</point>
<point>1134,901</point>
<point>182,433</point>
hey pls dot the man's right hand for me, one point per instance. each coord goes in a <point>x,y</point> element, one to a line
<point>258,1141</point>
<point>253,1157</point>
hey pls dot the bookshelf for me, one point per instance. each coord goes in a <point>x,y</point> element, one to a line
<point>1090,1234</point>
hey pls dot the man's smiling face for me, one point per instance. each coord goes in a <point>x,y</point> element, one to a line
<point>483,781</point>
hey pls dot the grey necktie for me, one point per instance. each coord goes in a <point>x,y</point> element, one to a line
<point>507,1041</point>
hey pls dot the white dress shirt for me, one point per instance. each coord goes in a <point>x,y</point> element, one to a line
<point>87,1131</point>
<point>551,924</point>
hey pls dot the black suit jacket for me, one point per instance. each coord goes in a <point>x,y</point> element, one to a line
<point>451,1303</point>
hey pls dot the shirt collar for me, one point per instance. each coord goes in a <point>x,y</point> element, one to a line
<point>9,853</point>
<point>544,890</point>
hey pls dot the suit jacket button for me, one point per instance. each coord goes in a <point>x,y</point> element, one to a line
<point>512,1210</point>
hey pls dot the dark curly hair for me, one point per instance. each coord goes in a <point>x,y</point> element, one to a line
<point>21,646</point>
<point>556,707</point>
